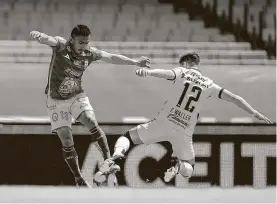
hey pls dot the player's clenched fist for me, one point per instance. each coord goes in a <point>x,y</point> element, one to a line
<point>35,34</point>
<point>142,72</point>
<point>143,62</point>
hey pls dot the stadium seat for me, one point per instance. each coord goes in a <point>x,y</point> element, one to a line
<point>135,21</point>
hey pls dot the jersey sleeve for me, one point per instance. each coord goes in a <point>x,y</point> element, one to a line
<point>61,43</point>
<point>216,91</point>
<point>95,54</point>
<point>178,71</point>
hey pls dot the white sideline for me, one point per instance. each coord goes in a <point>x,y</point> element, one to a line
<point>40,194</point>
<point>125,119</point>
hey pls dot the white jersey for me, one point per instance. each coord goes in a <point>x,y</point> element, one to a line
<point>191,90</point>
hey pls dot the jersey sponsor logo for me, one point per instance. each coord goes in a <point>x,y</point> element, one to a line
<point>51,107</point>
<point>197,81</point>
<point>55,117</point>
<point>67,56</point>
<point>81,64</point>
<point>68,86</point>
<point>180,114</point>
<point>73,72</point>
<point>82,99</point>
<point>177,121</point>
<point>68,48</point>
<point>83,106</point>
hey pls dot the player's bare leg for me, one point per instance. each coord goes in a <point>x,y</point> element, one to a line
<point>182,167</point>
<point>70,155</point>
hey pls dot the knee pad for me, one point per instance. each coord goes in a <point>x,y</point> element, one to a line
<point>186,169</point>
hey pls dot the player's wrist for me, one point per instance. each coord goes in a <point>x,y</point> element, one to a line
<point>136,62</point>
<point>148,72</point>
<point>43,36</point>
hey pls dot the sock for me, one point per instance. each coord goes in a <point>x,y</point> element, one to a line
<point>100,141</point>
<point>71,158</point>
<point>121,146</point>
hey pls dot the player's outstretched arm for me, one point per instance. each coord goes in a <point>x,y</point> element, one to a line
<point>241,103</point>
<point>160,73</point>
<point>121,59</point>
<point>42,38</point>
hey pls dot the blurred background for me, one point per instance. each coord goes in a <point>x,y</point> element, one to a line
<point>236,41</point>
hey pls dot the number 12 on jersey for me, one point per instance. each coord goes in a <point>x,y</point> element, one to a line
<point>194,89</point>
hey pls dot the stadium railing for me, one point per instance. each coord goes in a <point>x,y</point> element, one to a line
<point>159,52</point>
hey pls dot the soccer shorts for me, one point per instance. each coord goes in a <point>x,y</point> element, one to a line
<point>62,111</point>
<point>158,131</point>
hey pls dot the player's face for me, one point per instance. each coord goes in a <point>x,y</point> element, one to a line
<point>79,43</point>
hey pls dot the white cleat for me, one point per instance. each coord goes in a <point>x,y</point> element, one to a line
<point>171,173</point>
<point>117,156</point>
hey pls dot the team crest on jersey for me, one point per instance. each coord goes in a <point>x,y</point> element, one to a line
<point>68,86</point>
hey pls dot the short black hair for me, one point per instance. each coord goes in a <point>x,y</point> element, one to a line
<point>190,57</point>
<point>80,30</point>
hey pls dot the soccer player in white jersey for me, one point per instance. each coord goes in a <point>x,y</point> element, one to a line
<point>177,119</point>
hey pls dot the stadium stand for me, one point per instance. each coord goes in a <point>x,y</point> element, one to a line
<point>253,21</point>
<point>129,22</point>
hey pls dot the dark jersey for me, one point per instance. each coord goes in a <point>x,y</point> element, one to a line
<point>67,69</point>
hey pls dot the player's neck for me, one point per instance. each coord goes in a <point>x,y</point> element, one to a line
<point>195,68</point>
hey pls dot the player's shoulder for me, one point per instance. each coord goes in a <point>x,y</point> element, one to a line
<point>93,53</point>
<point>179,70</point>
<point>91,50</point>
<point>61,43</point>
<point>60,39</point>
<point>203,79</point>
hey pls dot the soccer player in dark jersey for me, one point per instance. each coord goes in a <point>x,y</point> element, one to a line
<point>65,95</point>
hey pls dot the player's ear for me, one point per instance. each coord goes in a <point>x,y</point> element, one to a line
<point>70,39</point>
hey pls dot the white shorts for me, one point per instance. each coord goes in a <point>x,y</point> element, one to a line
<point>158,131</point>
<point>62,111</point>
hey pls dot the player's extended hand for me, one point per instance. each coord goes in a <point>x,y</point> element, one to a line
<point>142,72</point>
<point>35,34</point>
<point>259,116</point>
<point>143,62</point>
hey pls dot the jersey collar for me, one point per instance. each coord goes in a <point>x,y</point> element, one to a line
<point>196,70</point>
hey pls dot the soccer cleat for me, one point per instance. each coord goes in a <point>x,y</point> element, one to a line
<point>82,183</point>
<point>171,173</point>
<point>112,180</point>
<point>109,180</point>
<point>117,156</point>
<point>106,169</point>
<point>99,178</point>
<point>109,166</point>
